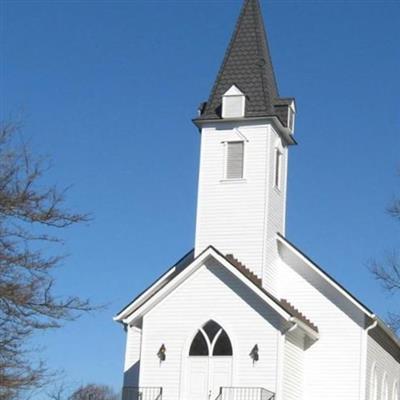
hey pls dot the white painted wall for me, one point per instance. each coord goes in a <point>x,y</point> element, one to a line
<point>333,363</point>
<point>241,216</point>
<point>132,356</point>
<point>293,367</point>
<point>275,212</point>
<point>212,292</point>
<point>385,364</point>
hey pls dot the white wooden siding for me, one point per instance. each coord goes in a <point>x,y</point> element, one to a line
<point>293,367</point>
<point>210,293</point>
<point>275,212</point>
<point>385,364</point>
<point>333,363</point>
<point>241,217</point>
<point>132,356</point>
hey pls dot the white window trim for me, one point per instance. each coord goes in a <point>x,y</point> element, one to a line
<point>278,164</point>
<point>232,92</point>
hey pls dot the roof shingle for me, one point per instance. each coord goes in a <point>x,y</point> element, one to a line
<point>247,64</point>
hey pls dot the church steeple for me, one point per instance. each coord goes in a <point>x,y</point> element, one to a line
<point>245,133</point>
<point>247,65</point>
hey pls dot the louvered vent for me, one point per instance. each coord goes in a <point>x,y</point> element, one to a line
<point>233,103</point>
<point>234,160</point>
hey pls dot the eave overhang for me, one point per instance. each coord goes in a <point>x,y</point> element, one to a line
<point>351,298</point>
<point>283,131</point>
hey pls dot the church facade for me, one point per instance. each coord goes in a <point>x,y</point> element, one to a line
<point>246,315</point>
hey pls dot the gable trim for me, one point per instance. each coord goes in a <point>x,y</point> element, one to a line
<point>326,276</point>
<point>150,290</point>
<point>321,272</point>
<point>210,252</point>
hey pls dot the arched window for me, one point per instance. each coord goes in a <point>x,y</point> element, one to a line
<point>385,388</point>
<point>396,391</point>
<point>373,394</point>
<point>211,340</point>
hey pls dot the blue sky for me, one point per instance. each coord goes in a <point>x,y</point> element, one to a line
<point>108,90</point>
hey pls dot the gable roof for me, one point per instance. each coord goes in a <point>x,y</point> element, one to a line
<point>326,276</point>
<point>158,284</point>
<point>284,303</point>
<point>188,262</point>
<point>247,64</point>
<point>384,330</point>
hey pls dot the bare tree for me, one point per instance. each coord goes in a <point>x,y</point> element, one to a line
<point>57,392</point>
<point>388,272</point>
<point>31,215</point>
<point>91,391</point>
<point>94,392</point>
<point>394,209</point>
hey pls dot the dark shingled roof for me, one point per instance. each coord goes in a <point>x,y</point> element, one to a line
<point>247,64</point>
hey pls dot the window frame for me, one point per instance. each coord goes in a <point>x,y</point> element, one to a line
<point>226,160</point>
<point>278,168</point>
<point>225,106</point>
<point>211,344</point>
<point>233,93</point>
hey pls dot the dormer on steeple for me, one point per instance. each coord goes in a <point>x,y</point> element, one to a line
<point>233,103</point>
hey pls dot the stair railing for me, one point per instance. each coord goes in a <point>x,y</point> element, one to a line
<point>245,393</point>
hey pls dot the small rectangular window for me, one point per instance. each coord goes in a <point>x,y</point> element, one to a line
<point>278,166</point>
<point>234,160</point>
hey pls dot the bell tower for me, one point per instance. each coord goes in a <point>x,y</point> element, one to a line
<point>246,129</point>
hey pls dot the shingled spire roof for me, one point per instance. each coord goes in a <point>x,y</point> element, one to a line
<point>247,64</point>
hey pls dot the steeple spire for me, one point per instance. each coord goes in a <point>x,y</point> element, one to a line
<point>247,65</point>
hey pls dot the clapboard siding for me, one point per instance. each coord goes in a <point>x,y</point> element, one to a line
<point>210,293</point>
<point>385,364</point>
<point>293,367</point>
<point>241,216</point>
<point>333,363</point>
<point>275,212</point>
<point>132,356</point>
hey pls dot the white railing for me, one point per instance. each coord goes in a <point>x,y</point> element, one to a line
<point>245,393</point>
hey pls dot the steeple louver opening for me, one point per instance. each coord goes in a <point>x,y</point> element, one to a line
<point>234,160</point>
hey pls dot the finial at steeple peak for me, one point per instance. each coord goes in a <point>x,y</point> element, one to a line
<point>247,65</point>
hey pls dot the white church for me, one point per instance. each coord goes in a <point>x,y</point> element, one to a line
<point>246,315</point>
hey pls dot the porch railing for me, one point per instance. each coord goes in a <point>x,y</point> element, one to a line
<point>245,393</point>
<point>141,393</point>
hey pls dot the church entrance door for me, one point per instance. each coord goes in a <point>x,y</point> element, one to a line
<point>210,363</point>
